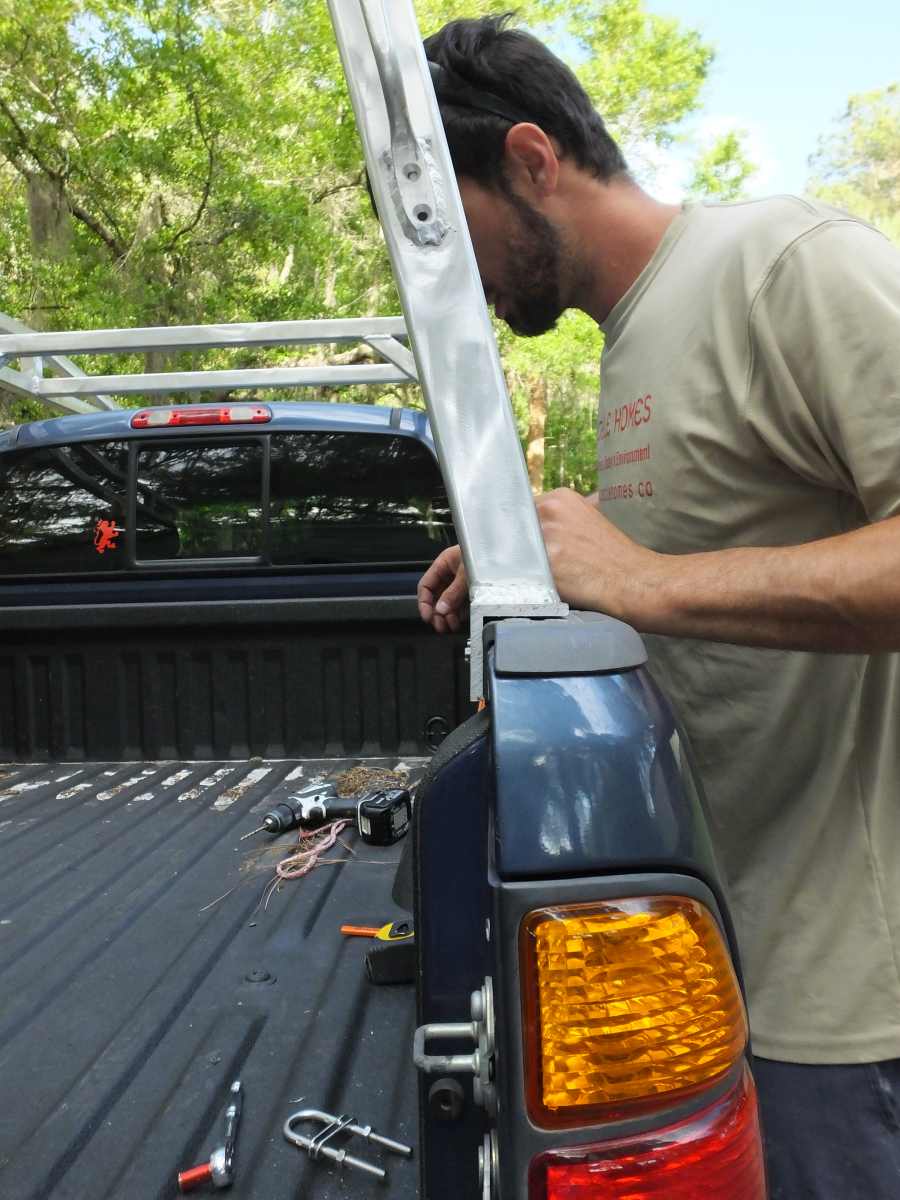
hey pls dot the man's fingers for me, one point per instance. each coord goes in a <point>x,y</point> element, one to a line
<point>441,572</point>
<point>454,594</point>
<point>448,611</point>
<point>442,591</point>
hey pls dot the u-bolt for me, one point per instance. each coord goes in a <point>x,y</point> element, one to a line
<point>317,1147</point>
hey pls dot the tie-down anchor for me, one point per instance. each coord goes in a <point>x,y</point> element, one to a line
<point>316,1146</point>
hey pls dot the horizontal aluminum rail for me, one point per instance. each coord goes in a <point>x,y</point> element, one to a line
<point>75,390</point>
<point>201,337</point>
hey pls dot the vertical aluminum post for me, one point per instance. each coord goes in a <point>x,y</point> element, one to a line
<point>446,316</point>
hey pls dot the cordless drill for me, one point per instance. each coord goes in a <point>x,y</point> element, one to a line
<point>382,816</point>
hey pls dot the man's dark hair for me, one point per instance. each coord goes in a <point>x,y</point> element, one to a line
<point>484,60</point>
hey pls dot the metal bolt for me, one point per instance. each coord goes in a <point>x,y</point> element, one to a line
<point>446,1099</point>
<point>258,975</point>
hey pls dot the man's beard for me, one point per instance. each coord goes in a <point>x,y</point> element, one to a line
<point>532,290</point>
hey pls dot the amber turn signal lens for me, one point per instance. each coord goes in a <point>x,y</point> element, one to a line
<point>627,1003</point>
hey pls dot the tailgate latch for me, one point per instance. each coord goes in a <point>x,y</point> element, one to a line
<point>479,1031</point>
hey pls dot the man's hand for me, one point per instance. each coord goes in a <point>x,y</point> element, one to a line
<point>443,591</point>
<point>838,594</point>
<point>595,565</point>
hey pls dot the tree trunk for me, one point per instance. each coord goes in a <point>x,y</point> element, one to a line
<point>48,218</point>
<point>149,222</point>
<point>51,233</point>
<point>537,420</point>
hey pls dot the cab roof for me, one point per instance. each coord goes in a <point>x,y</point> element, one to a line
<point>286,416</point>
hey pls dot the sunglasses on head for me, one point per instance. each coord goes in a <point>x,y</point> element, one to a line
<point>452,90</point>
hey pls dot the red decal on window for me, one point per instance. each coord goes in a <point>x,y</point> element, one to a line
<point>105,534</point>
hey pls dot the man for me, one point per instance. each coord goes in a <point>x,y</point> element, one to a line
<point>749,525</point>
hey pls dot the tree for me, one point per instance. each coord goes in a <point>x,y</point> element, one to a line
<point>168,161</point>
<point>857,166</point>
<point>722,170</point>
<point>180,160</point>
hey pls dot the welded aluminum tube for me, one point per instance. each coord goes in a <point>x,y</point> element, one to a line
<point>58,364</point>
<point>20,384</point>
<point>21,341</point>
<point>203,381</point>
<point>446,315</point>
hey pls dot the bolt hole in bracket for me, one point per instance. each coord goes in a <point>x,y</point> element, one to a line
<point>413,183</point>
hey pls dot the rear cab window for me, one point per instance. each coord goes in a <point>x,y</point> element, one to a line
<point>301,499</point>
<point>354,497</point>
<point>198,500</point>
<point>62,509</point>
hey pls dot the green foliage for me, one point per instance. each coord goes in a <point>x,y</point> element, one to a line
<point>721,171</point>
<point>207,156</point>
<point>857,167</point>
<point>644,72</point>
<point>568,358</point>
<point>198,161</point>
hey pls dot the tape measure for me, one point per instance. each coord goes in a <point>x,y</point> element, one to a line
<point>394,931</point>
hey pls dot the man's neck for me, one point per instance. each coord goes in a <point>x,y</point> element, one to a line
<point>614,229</point>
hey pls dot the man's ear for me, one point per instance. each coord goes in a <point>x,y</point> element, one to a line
<point>531,161</point>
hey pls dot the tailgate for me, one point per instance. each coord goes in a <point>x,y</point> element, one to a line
<point>141,974</point>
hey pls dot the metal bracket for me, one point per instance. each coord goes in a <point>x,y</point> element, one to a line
<point>482,612</point>
<point>415,187</point>
<point>480,1063</point>
<point>393,352</point>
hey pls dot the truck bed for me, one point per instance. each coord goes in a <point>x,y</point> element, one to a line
<point>141,974</point>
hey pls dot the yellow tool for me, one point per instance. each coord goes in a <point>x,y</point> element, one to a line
<point>394,931</point>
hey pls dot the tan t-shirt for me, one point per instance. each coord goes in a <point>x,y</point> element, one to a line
<point>751,397</point>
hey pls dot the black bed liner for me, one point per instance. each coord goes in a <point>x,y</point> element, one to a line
<point>129,1001</point>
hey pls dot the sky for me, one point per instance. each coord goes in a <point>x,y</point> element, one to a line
<point>784,71</point>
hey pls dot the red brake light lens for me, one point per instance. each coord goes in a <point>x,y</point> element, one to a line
<point>198,414</point>
<point>714,1155</point>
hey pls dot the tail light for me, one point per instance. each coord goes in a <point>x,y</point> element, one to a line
<point>716,1153</point>
<point>629,1005</point>
<point>198,414</point>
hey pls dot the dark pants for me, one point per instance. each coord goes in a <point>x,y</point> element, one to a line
<point>832,1133</point>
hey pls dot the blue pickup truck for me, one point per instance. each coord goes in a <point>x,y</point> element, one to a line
<point>205,608</point>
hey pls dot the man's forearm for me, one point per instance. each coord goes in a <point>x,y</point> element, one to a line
<point>841,593</point>
<point>838,594</point>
